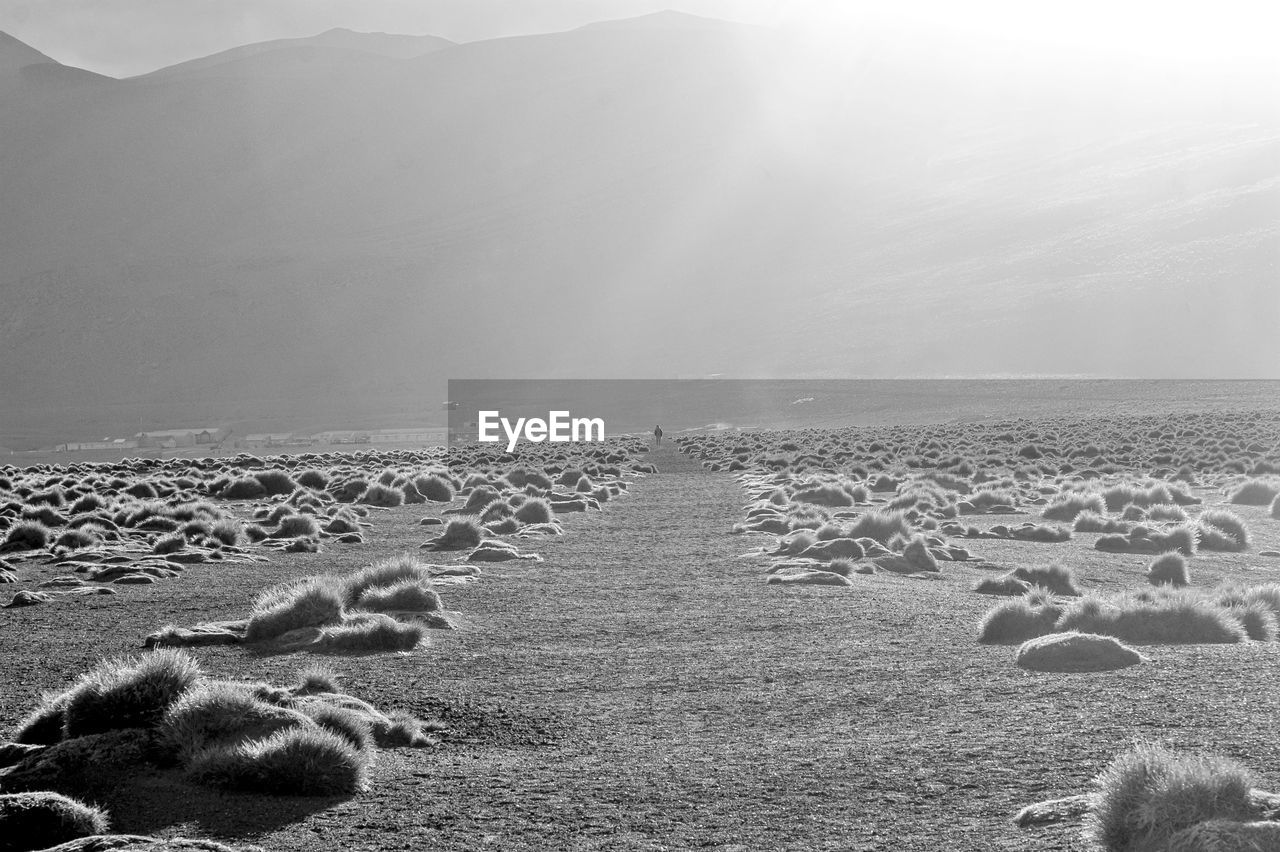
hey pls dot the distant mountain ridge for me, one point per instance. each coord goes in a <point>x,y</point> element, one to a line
<point>14,54</point>
<point>386,45</point>
<point>308,232</point>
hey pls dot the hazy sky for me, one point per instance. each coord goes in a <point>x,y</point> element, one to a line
<point>125,37</point>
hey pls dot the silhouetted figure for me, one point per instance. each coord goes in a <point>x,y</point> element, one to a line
<point>657,435</point>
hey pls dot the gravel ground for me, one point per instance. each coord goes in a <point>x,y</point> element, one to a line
<point>643,688</point>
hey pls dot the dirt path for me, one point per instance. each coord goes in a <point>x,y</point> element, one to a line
<point>645,689</point>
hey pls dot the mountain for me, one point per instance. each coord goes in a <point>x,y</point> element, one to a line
<point>302,55</point>
<point>315,234</point>
<point>14,54</point>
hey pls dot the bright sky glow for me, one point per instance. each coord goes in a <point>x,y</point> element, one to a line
<point>123,37</point>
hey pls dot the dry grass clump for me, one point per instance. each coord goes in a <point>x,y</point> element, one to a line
<point>1257,607</point>
<point>1167,514</point>
<point>1166,617</point>
<point>407,595</point>
<point>434,488</point>
<point>172,543</point>
<point>78,538</point>
<point>460,533</point>
<point>245,488</point>
<point>1169,569</point>
<point>1118,496</point>
<point>479,498</point>
<point>1259,620</point>
<point>1183,539</point>
<point>383,574</point>
<point>253,737</point>
<point>1055,578</point>
<point>1088,521</point>
<point>219,712</point>
<point>1254,492</point>
<point>386,496</point>
<point>1148,794</point>
<point>1006,585</point>
<point>346,723</point>
<point>316,480</point>
<point>823,494</point>
<point>1222,530</point>
<point>1048,533</point>
<point>133,692</point>
<point>347,613</point>
<point>276,482</point>
<point>370,631</point>
<point>1019,620</point>
<point>43,820</point>
<point>1069,506</point>
<point>227,531</point>
<point>43,725</point>
<point>310,602</point>
<point>535,510</point>
<point>295,762</point>
<point>990,496</point>
<point>882,526</point>
<point>297,526</point>
<point>26,535</point>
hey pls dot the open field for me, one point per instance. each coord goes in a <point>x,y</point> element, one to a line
<point>644,685</point>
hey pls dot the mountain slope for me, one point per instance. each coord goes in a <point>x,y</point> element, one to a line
<point>296,55</point>
<point>14,54</point>
<point>631,200</point>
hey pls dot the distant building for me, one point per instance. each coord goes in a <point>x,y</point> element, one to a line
<point>171,438</point>
<point>341,437</point>
<point>405,436</point>
<point>104,444</point>
<point>273,439</point>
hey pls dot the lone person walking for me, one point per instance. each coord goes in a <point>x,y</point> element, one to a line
<point>657,435</point>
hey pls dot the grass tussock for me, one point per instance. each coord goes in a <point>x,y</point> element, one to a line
<point>882,526</point>
<point>1067,507</point>
<point>44,725</point>
<point>385,573</point>
<point>386,496</point>
<point>407,595</point>
<point>297,526</point>
<point>1221,529</point>
<point>1149,793</point>
<point>1255,492</point>
<point>535,510</point>
<point>27,535</point>
<point>348,612</point>
<point>227,531</point>
<point>1169,569</point>
<point>460,533</point>
<point>133,692</point>
<point>351,726</point>
<point>42,820</point>
<point>1005,585</point>
<point>435,488</point>
<point>1017,621</point>
<point>371,631</point>
<point>1096,522</point>
<point>311,602</point>
<point>276,482</point>
<point>221,713</point>
<point>1167,617</point>
<point>316,679</point>
<point>1056,578</point>
<point>293,762</point>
